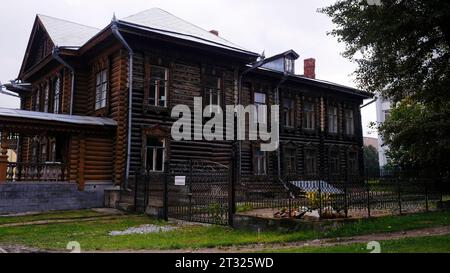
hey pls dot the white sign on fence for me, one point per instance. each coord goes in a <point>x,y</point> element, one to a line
<point>180,180</point>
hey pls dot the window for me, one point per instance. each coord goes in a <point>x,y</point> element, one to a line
<point>309,116</point>
<point>260,162</point>
<point>311,162</point>
<point>101,87</point>
<point>334,162</point>
<point>44,151</point>
<point>332,119</point>
<point>46,98</point>
<point>386,114</point>
<point>213,90</point>
<point>290,160</point>
<point>353,163</point>
<point>349,122</point>
<point>289,65</point>
<point>259,100</point>
<point>288,112</point>
<point>157,95</point>
<point>37,106</point>
<point>154,160</point>
<point>57,94</point>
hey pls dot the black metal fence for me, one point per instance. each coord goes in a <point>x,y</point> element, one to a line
<point>339,197</point>
<point>190,190</point>
<point>208,192</point>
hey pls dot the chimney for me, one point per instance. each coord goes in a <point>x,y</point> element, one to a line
<point>310,68</point>
<point>215,32</point>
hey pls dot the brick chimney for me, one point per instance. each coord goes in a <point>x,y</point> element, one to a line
<point>215,32</point>
<point>310,68</point>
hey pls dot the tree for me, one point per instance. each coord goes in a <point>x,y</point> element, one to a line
<point>402,49</point>
<point>371,161</point>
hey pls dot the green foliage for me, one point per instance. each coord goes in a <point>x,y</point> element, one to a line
<point>402,49</point>
<point>371,161</point>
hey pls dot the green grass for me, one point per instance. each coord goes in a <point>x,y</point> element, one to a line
<point>48,216</point>
<point>435,244</point>
<point>93,235</point>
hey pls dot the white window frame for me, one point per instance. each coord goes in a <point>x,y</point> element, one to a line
<point>155,155</point>
<point>333,119</point>
<point>101,89</point>
<point>349,122</point>
<point>258,103</point>
<point>46,98</point>
<point>57,95</point>
<point>154,87</point>
<point>309,120</point>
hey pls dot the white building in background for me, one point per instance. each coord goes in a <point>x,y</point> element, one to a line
<point>383,111</point>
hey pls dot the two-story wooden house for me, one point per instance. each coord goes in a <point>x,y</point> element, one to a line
<point>96,103</point>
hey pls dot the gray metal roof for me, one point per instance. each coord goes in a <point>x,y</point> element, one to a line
<point>65,33</point>
<point>77,120</point>
<point>314,186</point>
<point>163,22</point>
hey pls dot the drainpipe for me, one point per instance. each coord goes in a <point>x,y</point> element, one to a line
<point>285,76</point>
<point>55,54</point>
<point>118,35</point>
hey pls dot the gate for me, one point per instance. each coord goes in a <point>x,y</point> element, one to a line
<point>198,191</point>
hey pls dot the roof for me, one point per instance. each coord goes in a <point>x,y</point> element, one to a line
<point>66,33</point>
<point>315,186</point>
<point>68,119</point>
<point>160,21</point>
<point>321,83</point>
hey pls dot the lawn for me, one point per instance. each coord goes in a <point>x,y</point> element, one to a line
<point>434,244</point>
<point>93,235</point>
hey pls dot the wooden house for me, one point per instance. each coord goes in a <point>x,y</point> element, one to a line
<point>96,103</point>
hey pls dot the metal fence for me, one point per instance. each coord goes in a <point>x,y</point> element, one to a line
<point>338,197</point>
<point>208,192</point>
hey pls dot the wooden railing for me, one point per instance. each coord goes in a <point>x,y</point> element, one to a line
<point>35,172</point>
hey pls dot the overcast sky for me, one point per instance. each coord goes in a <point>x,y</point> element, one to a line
<point>257,25</point>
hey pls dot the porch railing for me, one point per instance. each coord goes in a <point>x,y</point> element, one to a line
<point>35,172</point>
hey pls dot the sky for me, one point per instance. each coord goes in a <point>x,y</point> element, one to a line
<point>272,26</point>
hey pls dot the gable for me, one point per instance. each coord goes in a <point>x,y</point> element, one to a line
<point>39,46</point>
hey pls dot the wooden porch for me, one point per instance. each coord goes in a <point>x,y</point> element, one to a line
<point>50,147</point>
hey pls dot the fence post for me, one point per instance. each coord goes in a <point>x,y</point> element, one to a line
<point>426,195</point>
<point>345,194</point>
<point>190,191</point>
<point>320,199</point>
<point>166,191</point>
<point>368,192</point>
<point>399,195</point>
<point>135,190</point>
<point>231,194</point>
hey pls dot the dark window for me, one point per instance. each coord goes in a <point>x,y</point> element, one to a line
<point>57,95</point>
<point>37,101</point>
<point>332,119</point>
<point>309,117</point>
<point>289,65</point>
<point>349,122</point>
<point>311,162</point>
<point>259,162</point>
<point>46,98</point>
<point>213,90</point>
<point>101,88</point>
<point>157,95</point>
<point>290,159</point>
<point>260,100</point>
<point>154,155</point>
<point>288,112</point>
<point>353,163</point>
<point>334,162</point>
